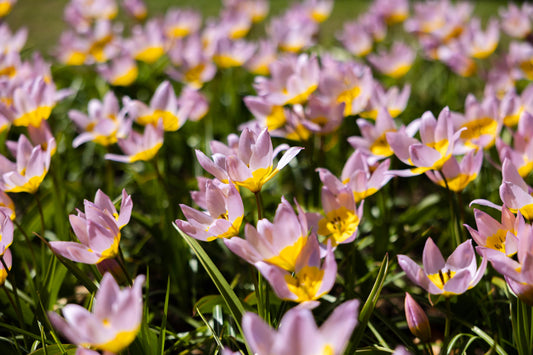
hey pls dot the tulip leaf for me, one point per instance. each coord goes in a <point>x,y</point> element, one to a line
<point>370,304</point>
<point>230,298</point>
<point>164,321</point>
<point>56,350</point>
<point>207,303</point>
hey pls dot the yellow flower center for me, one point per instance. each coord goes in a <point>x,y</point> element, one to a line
<point>286,259</point>
<point>440,278</point>
<point>150,54</point>
<point>226,61</point>
<point>301,97</point>
<point>399,71</point>
<point>119,342</point>
<point>381,147</point>
<point>147,154</point>
<point>305,283</point>
<point>30,186</point>
<point>170,120</point>
<point>459,182</point>
<point>259,178</point>
<point>527,68</point>
<point>231,232</point>
<point>276,119</point>
<point>127,78</point>
<point>34,117</point>
<point>339,225</point>
<point>497,240</point>
<point>347,97</point>
<point>194,74</point>
<point>477,128</point>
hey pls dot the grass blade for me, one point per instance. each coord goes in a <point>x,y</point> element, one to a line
<point>234,304</point>
<point>370,304</point>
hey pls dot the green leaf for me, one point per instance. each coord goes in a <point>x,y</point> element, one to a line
<point>233,303</point>
<point>56,350</point>
<point>207,303</point>
<point>164,321</point>
<point>370,304</point>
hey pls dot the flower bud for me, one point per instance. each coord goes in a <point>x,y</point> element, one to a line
<point>416,319</point>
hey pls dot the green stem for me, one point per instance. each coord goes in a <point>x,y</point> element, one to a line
<point>122,264</point>
<point>456,223</point>
<point>27,238</point>
<point>18,307</point>
<point>259,203</point>
<point>41,214</point>
<point>446,339</point>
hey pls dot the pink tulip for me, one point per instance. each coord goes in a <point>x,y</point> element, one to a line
<point>114,321</point>
<point>298,333</point>
<point>445,277</point>
<point>97,229</point>
<point>279,243</point>
<point>311,278</point>
<point>222,218</point>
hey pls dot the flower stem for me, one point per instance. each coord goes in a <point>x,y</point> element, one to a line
<point>259,202</point>
<point>454,214</point>
<point>16,304</point>
<point>446,339</point>
<point>41,214</point>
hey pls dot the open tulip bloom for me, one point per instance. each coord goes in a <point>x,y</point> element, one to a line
<point>223,217</point>
<point>495,235</point>
<point>98,230</point>
<point>114,321</point>
<point>298,333</point>
<point>29,170</point>
<point>435,148</point>
<point>445,277</point>
<point>311,278</point>
<point>517,271</point>
<point>279,243</point>
<point>251,163</point>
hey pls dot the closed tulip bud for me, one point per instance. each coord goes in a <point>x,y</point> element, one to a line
<point>416,319</point>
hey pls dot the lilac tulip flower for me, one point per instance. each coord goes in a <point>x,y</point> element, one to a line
<point>373,141</point>
<point>517,271</point>
<point>293,79</point>
<point>363,179</point>
<point>140,146</point>
<point>6,230</point>
<point>445,277</point>
<point>342,216</point>
<point>278,243</point>
<point>521,151</point>
<point>514,192</point>
<point>396,63</point>
<point>114,321</point>
<point>311,278</point>
<point>438,139</point>
<point>33,102</point>
<point>458,174</point>
<point>392,100</point>
<point>147,43</point>
<point>191,64</point>
<point>222,218</point>
<point>29,170</point>
<point>97,229</point>
<point>8,260</point>
<point>298,333</point>
<point>163,105</point>
<point>103,124</point>
<point>500,236</point>
<point>250,162</point>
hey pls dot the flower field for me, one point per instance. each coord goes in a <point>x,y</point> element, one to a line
<point>253,177</point>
